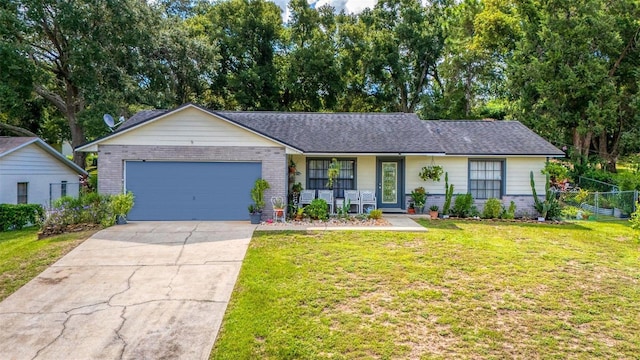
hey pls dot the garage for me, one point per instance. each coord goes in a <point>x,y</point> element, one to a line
<point>166,190</point>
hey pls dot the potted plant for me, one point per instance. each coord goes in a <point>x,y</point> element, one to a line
<point>411,209</point>
<point>299,213</point>
<point>257,195</point>
<point>433,211</point>
<point>431,172</point>
<point>292,167</point>
<point>121,204</point>
<point>419,196</point>
<point>278,206</point>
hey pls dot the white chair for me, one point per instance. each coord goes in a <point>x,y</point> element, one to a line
<point>306,197</point>
<point>353,197</point>
<point>327,195</point>
<point>368,198</point>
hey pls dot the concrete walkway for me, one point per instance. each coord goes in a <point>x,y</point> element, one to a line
<point>146,290</point>
<point>397,222</point>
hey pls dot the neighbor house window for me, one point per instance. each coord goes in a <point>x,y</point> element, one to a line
<point>485,178</point>
<point>317,178</point>
<point>63,188</point>
<point>22,192</point>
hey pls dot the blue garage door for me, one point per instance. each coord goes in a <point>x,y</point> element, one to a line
<point>190,190</point>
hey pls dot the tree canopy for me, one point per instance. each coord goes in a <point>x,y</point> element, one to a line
<point>566,69</point>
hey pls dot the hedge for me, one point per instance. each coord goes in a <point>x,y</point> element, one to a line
<point>15,217</point>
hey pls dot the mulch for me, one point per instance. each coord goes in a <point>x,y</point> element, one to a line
<point>57,230</point>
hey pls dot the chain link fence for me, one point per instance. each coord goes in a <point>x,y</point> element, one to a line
<point>58,190</point>
<point>600,205</point>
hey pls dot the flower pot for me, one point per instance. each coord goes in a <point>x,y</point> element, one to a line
<point>411,211</point>
<point>255,218</point>
<point>433,214</point>
<point>279,212</point>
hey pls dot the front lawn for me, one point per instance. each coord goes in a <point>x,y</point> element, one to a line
<point>465,289</point>
<point>23,256</point>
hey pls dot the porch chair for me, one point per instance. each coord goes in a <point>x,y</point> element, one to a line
<point>353,196</point>
<point>306,197</point>
<point>368,198</point>
<point>327,195</point>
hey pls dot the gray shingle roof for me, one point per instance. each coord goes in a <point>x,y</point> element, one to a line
<point>382,133</point>
<point>341,132</point>
<point>140,117</point>
<point>8,144</point>
<point>489,137</point>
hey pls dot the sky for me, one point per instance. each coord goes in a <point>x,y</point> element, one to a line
<point>350,6</point>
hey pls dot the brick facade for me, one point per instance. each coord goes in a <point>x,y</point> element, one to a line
<point>273,159</point>
<point>524,203</point>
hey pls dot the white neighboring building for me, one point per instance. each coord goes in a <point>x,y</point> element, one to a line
<point>32,172</point>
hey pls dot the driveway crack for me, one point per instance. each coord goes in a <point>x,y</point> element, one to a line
<point>120,337</point>
<point>183,245</point>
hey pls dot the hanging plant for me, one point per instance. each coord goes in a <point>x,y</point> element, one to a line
<point>333,172</point>
<point>431,172</point>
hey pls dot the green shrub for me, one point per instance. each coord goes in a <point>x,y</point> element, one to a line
<point>462,205</point>
<point>15,217</point>
<point>375,214</point>
<point>318,209</point>
<point>557,171</point>
<point>492,209</point>
<point>628,181</point>
<point>121,204</point>
<point>509,213</point>
<point>89,208</point>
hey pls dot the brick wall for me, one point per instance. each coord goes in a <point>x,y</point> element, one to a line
<point>112,158</point>
<point>524,203</point>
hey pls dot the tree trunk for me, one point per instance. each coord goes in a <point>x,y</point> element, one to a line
<point>77,139</point>
<point>581,143</point>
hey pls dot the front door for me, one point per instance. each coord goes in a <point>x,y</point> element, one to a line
<point>390,177</point>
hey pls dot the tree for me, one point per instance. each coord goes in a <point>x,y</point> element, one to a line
<point>471,72</point>
<point>406,42</point>
<point>311,72</point>
<point>572,73</point>
<point>78,55</point>
<point>246,33</point>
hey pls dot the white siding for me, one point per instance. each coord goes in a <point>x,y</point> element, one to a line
<point>518,180</point>
<point>517,173</point>
<point>190,127</point>
<point>455,166</point>
<point>366,172</point>
<point>301,167</point>
<point>36,167</point>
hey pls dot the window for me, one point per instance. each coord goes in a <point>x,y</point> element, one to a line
<point>317,177</point>
<point>63,188</point>
<point>485,178</point>
<point>22,192</point>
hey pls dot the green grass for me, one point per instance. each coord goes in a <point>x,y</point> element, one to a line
<point>23,256</point>
<point>465,289</point>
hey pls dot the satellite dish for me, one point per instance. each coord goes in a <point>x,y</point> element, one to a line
<point>108,119</point>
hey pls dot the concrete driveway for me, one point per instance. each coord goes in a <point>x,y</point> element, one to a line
<point>146,290</point>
